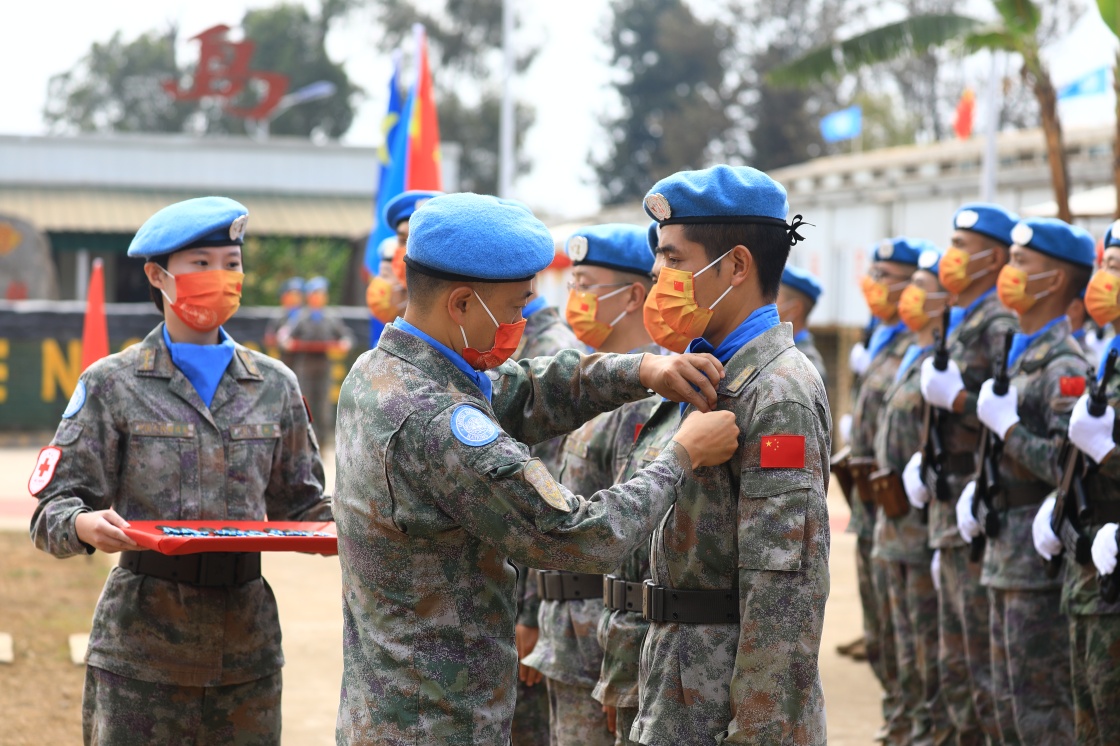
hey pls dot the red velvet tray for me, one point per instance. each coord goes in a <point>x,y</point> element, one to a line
<point>148,535</point>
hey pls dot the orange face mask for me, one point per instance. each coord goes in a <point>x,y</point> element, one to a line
<point>877,294</point>
<point>581,311</point>
<point>912,307</point>
<point>291,299</point>
<point>659,331</point>
<point>398,265</point>
<point>205,300</point>
<point>953,270</point>
<point>379,299</point>
<point>1011,286</point>
<point>1102,297</point>
<point>506,340</point>
<point>675,296</point>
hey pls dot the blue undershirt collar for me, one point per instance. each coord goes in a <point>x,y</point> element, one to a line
<point>913,352</point>
<point>1078,334</point>
<point>1022,342</point>
<point>480,379</point>
<point>976,303</point>
<point>537,304</point>
<point>801,336</point>
<point>883,336</point>
<point>761,320</point>
<point>203,365</point>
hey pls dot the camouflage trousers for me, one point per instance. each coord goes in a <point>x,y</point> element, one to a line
<point>624,721</point>
<point>119,711</point>
<point>870,606</point>
<point>574,718</point>
<point>964,653</point>
<point>1095,649</point>
<point>1030,667</point>
<point>895,716</point>
<point>913,603</point>
<point>530,716</point>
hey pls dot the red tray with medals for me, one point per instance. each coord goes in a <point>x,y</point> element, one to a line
<point>191,537</point>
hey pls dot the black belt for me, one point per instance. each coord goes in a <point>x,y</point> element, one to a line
<point>959,464</point>
<point>1104,511</point>
<point>661,604</point>
<point>207,569</point>
<point>1020,497</point>
<point>558,585</point>
<point>622,595</point>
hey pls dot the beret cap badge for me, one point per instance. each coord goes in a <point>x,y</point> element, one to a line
<point>928,259</point>
<point>886,249</point>
<point>967,219</point>
<point>1022,234</point>
<point>658,206</point>
<point>237,228</point>
<point>577,248</point>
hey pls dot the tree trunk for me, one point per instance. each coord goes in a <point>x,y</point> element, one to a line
<point>1047,97</point>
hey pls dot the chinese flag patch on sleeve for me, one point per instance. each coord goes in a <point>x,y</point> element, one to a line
<point>782,452</point>
<point>1072,385</point>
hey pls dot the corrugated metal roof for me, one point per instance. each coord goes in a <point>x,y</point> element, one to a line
<point>89,210</point>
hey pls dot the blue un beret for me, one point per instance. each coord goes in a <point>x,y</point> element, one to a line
<point>470,237</point>
<point>721,194</point>
<point>901,249</point>
<point>653,235</point>
<point>1112,235</point>
<point>619,246</point>
<point>203,221</point>
<point>316,283</point>
<point>988,220</point>
<point>802,281</point>
<point>292,283</point>
<point>1057,239</point>
<point>404,204</point>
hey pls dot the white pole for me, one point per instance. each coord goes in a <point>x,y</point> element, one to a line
<point>507,165</point>
<point>990,165</point>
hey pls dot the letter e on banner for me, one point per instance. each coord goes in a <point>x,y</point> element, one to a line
<point>43,473</point>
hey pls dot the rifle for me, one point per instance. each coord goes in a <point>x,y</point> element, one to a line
<point>1062,523</point>
<point>988,487</point>
<point>933,451</point>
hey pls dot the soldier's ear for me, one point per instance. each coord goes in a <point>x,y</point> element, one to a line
<point>458,303</point>
<point>742,265</point>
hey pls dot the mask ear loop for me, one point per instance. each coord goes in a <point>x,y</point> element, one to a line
<point>725,292</point>
<point>1039,276</point>
<point>164,292</point>
<point>979,255</point>
<point>611,294</point>
<point>717,261</point>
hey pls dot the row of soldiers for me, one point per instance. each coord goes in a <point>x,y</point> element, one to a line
<point>983,486</point>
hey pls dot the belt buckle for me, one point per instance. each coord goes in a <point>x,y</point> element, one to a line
<point>653,602</point>
<point>625,602</point>
<point>607,591</point>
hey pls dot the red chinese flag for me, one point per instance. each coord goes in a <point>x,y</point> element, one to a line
<point>962,124</point>
<point>782,452</point>
<point>95,329</point>
<point>637,431</point>
<point>424,170</point>
<point>1072,385</point>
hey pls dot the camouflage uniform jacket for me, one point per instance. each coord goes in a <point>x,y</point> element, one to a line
<point>620,633</point>
<point>808,347</point>
<point>316,325</point>
<point>1031,454</point>
<point>568,648</point>
<point>146,445</point>
<point>545,334</point>
<point>897,438</point>
<point>975,346</point>
<point>426,524</point>
<point>865,418</point>
<point>764,533</point>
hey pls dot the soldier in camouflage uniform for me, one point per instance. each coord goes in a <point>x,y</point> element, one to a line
<point>797,296</point>
<point>893,262</point>
<point>185,425</point>
<point>901,545</point>
<point>433,495</point>
<point>1094,622</point>
<point>291,300</point>
<point>609,285</point>
<point>981,237</point>
<point>740,564</point>
<point>1050,264</point>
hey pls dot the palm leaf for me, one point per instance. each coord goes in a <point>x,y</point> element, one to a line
<point>1110,12</point>
<point>1019,16</point>
<point>913,35</point>
<point>992,39</point>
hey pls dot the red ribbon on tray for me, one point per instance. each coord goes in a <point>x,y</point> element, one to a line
<point>191,537</point>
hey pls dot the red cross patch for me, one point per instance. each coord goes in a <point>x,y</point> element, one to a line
<point>43,473</point>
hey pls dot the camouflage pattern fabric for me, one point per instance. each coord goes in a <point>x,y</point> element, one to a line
<point>426,523</point>
<point>313,369</point>
<point>574,719</point>
<point>621,633</point>
<point>756,681</point>
<point>1094,640</point>
<point>809,349</point>
<point>530,715</point>
<point>146,445</point>
<point>624,721</point>
<point>896,716</point>
<point>121,711</point>
<point>546,334</point>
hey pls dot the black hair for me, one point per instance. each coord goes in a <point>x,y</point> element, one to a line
<point>769,246</point>
<point>153,291</point>
<point>423,288</point>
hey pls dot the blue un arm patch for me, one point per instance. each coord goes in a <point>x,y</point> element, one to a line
<point>472,427</point>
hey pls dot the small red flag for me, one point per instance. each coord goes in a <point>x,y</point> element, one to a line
<point>962,124</point>
<point>95,329</point>
<point>637,431</point>
<point>782,452</point>
<point>1072,385</point>
<point>678,286</point>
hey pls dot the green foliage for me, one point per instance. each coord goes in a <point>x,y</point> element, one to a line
<point>885,124</point>
<point>1110,12</point>
<point>271,261</point>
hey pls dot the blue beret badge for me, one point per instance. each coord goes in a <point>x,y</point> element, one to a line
<point>77,400</point>
<point>473,428</point>
<point>577,248</point>
<point>658,207</point>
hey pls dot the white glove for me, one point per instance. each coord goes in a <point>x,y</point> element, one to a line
<point>935,569</point>
<point>916,491</point>
<point>967,526</point>
<point>1092,435</point>
<point>1046,542</point>
<point>859,358</point>
<point>998,413</point>
<point>845,426</point>
<point>941,387</point>
<point>1104,549</point>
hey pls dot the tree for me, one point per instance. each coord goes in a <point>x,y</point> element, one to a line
<point>670,90</point>
<point>1110,12</point>
<point>117,85</point>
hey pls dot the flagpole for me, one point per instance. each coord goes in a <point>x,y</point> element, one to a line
<point>990,164</point>
<point>506,155</point>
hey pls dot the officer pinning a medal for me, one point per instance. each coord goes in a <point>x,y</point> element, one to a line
<point>185,425</point>
<point>437,490</point>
